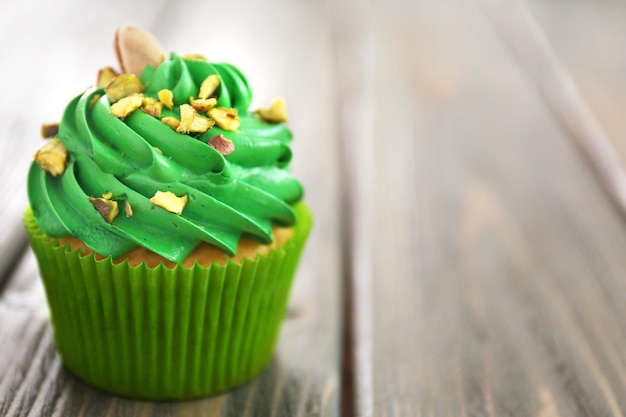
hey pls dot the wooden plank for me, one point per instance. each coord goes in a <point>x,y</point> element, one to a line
<point>304,376</point>
<point>520,31</point>
<point>497,260</point>
<point>586,38</point>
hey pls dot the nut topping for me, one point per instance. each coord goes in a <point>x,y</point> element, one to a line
<point>123,86</point>
<point>208,86</point>
<point>105,76</point>
<point>171,122</point>
<point>169,201</point>
<point>167,98</point>
<point>127,105</point>
<point>191,121</point>
<point>52,157</point>
<point>107,208</point>
<point>275,113</point>
<point>49,130</point>
<point>152,107</point>
<point>225,118</point>
<point>223,145</point>
<point>94,100</point>
<point>202,105</point>
<point>128,209</point>
<point>136,49</point>
<point>197,57</point>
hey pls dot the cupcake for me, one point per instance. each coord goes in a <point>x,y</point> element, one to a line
<point>166,225</point>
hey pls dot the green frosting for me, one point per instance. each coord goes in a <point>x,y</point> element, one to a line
<point>243,193</point>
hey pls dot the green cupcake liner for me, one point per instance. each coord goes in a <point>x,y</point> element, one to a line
<point>166,333</point>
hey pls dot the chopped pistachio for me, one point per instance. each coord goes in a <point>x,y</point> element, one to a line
<point>107,196</point>
<point>126,105</point>
<point>128,209</point>
<point>148,101</point>
<point>52,157</point>
<point>187,114</point>
<point>171,122</point>
<point>275,113</point>
<point>191,121</point>
<point>122,86</point>
<point>197,57</point>
<point>94,100</point>
<point>208,86</point>
<point>107,208</point>
<point>49,130</point>
<point>225,118</point>
<point>169,201</point>
<point>152,107</point>
<point>105,76</point>
<point>223,145</point>
<point>166,97</point>
<point>202,105</point>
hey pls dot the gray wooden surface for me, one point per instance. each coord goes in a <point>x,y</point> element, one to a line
<point>464,162</point>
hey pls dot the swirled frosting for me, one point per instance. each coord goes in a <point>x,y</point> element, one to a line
<point>242,193</point>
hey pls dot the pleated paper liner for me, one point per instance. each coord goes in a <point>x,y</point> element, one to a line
<point>166,333</point>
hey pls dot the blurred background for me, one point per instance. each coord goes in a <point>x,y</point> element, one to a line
<point>439,143</point>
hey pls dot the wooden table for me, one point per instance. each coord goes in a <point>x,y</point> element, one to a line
<point>464,164</point>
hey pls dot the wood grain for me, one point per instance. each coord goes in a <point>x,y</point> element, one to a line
<point>484,258</point>
<point>303,379</point>
<point>497,260</point>
<point>586,37</point>
<point>520,31</point>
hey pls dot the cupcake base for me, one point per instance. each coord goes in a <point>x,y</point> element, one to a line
<point>166,333</point>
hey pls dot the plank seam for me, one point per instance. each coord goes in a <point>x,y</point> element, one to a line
<point>356,61</point>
